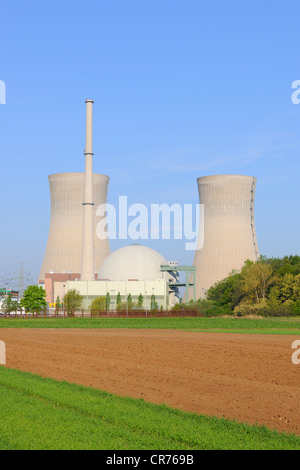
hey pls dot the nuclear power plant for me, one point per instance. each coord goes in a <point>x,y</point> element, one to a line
<point>76,258</point>
<point>74,253</point>
<point>229,228</point>
<point>134,270</point>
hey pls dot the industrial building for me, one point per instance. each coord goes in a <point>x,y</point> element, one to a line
<point>229,228</point>
<point>90,290</point>
<point>74,253</point>
<point>4,292</point>
<point>130,270</point>
<point>76,258</point>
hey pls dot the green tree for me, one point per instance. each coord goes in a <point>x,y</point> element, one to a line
<point>274,294</point>
<point>270,286</point>
<point>285,289</point>
<point>119,300</point>
<point>296,288</point>
<point>154,304</point>
<point>98,305</point>
<point>227,291</point>
<point>72,301</point>
<point>57,305</point>
<point>129,302</point>
<point>34,299</point>
<point>10,305</point>
<point>255,280</point>
<point>140,301</point>
<point>107,301</point>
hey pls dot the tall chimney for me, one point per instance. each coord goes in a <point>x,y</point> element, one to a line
<point>87,261</point>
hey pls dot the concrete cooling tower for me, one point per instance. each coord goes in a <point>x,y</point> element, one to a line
<point>229,228</point>
<point>65,241</point>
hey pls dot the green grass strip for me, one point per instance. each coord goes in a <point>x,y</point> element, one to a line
<point>38,413</point>
<point>287,326</point>
<point>250,332</point>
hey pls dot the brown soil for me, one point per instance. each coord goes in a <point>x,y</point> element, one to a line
<point>249,378</point>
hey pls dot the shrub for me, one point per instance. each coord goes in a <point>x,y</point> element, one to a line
<point>98,305</point>
<point>209,308</point>
<point>72,301</point>
<point>263,309</point>
<point>295,308</point>
<point>205,308</point>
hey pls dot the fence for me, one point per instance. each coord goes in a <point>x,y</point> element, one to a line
<point>104,314</point>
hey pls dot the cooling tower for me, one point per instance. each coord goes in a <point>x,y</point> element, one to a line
<point>64,247</point>
<point>229,228</point>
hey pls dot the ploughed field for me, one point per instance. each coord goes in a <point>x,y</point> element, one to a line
<point>249,378</point>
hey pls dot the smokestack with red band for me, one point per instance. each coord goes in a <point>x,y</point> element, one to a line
<point>87,262</point>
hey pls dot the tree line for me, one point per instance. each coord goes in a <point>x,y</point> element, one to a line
<point>34,301</point>
<point>268,287</point>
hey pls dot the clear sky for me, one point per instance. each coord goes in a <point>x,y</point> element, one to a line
<point>182,89</point>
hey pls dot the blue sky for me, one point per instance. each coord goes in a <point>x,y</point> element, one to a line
<point>182,89</point>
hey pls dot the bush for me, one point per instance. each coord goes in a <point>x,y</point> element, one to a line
<point>127,306</point>
<point>98,305</point>
<point>263,309</point>
<point>209,308</point>
<point>205,308</point>
<point>295,308</point>
<point>283,310</point>
<point>244,309</point>
<point>177,308</point>
<point>72,301</point>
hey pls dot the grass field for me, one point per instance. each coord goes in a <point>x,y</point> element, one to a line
<point>38,413</point>
<point>229,325</point>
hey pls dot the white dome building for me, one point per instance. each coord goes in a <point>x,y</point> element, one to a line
<point>134,270</point>
<point>133,263</point>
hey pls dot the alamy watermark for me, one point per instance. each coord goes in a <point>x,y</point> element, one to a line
<point>2,353</point>
<point>296,95</point>
<point>2,92</point>
<point>161,221</point>
<point>296,354</point>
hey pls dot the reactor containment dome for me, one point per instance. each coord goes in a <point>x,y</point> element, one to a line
<point>134,262</point>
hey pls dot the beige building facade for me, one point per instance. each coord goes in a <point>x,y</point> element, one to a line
<point>90,290</point>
